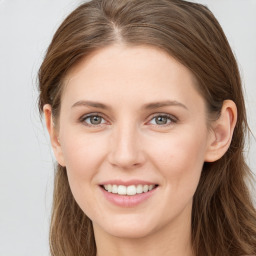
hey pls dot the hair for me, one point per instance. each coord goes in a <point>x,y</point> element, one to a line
<point>223,215</point>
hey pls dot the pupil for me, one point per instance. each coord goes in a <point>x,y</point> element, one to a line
<point>161,120</point>
<point>95,120</point>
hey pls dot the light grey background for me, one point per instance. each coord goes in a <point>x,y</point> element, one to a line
<point>26,161</point>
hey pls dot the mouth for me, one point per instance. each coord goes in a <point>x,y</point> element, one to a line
<point>130,190</point>
<point>128,193</point>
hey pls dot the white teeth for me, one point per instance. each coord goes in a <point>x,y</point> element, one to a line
<point>150,187</point>
<point>131,190</point>
<point>145,188</point>
<point>121,190</point>
<point>114,189</point>
<point>109,189</point>
<point>139,189</point>
<point>128,190</point>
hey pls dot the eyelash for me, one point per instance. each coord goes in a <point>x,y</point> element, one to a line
<point>83,118</point>
<point>172,119</point>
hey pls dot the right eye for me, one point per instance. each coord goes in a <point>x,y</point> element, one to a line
<point>93,120</point>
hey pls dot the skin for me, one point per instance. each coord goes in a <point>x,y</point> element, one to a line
<point>131,143</point>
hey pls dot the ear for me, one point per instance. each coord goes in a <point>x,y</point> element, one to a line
<point>221,133</point>
<point>52,130</point>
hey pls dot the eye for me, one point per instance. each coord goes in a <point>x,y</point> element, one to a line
<point>93,120</point>
<point>163,120</point>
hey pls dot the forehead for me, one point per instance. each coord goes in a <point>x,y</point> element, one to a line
<point>122,73</point>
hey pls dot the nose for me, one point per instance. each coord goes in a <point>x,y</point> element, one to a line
<point>126,149</point>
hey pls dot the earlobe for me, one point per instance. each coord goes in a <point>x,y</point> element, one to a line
<point>53,133</point>
<point>221,132</point>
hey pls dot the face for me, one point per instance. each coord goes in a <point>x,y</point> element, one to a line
<point>133,136</point>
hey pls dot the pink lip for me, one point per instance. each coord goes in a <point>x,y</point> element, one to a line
<point>127,201</point>
<point>127,183</point>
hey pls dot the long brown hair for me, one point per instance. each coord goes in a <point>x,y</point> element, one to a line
<point>223,216</point>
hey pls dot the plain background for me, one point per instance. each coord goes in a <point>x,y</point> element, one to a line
<point>26,161</point>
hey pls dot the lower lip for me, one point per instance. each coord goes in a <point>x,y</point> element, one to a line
<point>127,201</point>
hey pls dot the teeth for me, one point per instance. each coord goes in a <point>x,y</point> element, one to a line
<point>139,189</point>
<point>121,190</point>
<point>114,189</point>
<point>145,188</point>
<point>131,190</point>
<point>128,190</point>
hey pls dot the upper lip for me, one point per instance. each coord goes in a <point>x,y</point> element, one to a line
<point>128,182</point>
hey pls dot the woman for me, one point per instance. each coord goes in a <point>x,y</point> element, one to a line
<point>145,111</point>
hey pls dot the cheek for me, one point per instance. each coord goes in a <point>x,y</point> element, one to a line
<point>180,157</point>
<point>83,157</point>
<point>83,154</point>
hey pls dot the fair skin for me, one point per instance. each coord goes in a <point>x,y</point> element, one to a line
<point>162,144</point>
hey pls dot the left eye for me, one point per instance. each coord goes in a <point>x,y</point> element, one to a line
<point>162,120</point>
<point>92,120</point>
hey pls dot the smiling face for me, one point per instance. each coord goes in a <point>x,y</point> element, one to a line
<point>131,117</point>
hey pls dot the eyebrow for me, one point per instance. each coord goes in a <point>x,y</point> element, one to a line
<point>94,104</point>
<point>166,103</point>
<point>148,106</point>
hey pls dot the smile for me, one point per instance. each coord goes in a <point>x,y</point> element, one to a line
<point>128,190</point>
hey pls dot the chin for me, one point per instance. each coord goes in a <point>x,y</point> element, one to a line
<point>128,228</point>
<point>129,233</point>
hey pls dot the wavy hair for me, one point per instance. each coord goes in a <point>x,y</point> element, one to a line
<point>223,215</point>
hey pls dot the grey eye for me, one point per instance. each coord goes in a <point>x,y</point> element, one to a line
<point>161,120</point>
<point>95,120</point>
